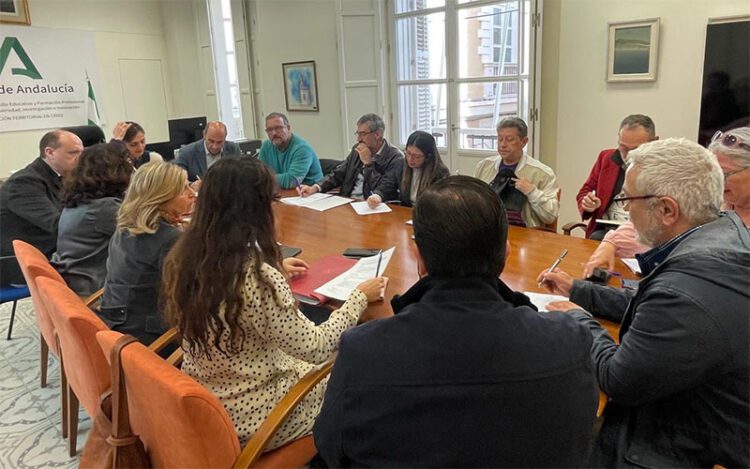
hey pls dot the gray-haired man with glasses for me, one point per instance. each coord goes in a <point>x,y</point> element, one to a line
<point>678,379</point>
<point>372,169</point>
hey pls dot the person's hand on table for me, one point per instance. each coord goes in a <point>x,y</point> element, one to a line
<point>304,190</point>
<point>557,282</point>
<point>294,267</point>
<point>374,200</point>
<point>374,288</point>
<point>524,185</point>
<point>590,202</point>
<point>118,133</point>
<point>562,306</point>
<point>604,257</point>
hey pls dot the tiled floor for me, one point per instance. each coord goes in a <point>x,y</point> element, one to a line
<point>30,428</point>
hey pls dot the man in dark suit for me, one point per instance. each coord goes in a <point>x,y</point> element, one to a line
<point>198,156</point>
<point>30,199</point>
<point>467,373</point>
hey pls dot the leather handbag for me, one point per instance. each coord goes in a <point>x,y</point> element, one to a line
<point>111,443</point>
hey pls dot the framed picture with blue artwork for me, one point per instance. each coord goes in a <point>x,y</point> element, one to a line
<point>633,50</point>
<point>300,86</point>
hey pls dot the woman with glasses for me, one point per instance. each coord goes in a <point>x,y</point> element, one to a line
<point>148,224</point>
<point>226,290</point>
<point>91,197</point>
<point>732,150</point>
<point>423,167</point>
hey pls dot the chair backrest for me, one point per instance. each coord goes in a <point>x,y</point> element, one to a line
<point>553,225</point>
<point>35,265</point>
<point>180,422</point>
<point>76,326</point>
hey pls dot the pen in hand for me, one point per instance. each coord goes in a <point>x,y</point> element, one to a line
<point>380,258</point>
<point>299,186</point>
<point>556,263</point>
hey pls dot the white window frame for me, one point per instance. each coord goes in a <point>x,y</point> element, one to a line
<point>455,157</point>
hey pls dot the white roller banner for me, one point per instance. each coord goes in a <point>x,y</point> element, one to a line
<point>43,77</point>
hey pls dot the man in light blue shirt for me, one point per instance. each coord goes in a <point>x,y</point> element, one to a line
<point>288,155</point>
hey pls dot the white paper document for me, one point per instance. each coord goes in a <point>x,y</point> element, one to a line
<point>340,287</point>
<point>632,265</point>
<point>318,201</point>
<point>363,209</point>
<point>610,222</point>
<point>541,300</point>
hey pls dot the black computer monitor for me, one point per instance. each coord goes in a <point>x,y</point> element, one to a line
<point>187,130</point>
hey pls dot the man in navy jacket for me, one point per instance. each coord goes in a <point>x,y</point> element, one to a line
<point>467,372</point>
<point>198,156</point>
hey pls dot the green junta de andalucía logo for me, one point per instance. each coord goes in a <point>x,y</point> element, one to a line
<point>13,44</point>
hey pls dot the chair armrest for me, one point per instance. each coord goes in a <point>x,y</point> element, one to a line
<point>568,227</point>
<point>164,340</point>
<point>94,297</point>
<point>175,359</point>
<point>252,451</point>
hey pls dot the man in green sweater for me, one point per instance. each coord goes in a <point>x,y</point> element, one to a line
<point>288,155</point>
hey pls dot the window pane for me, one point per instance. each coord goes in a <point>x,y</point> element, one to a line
<point>484,35</point>
<point>403,6</point>
<point>420,47</point>
<point>232,69</point>
<point>525,46</point>
<point>423,107</point>
<point>481,106</point>
<point>228,36</point>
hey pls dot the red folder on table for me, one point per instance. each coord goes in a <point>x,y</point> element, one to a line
<point>320,272</point>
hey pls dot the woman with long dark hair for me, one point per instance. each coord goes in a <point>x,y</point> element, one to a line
<point>423,167</point>
<point>225,289</point>
<point>91,198</point>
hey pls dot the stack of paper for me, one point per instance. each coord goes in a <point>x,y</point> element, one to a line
<point>319,202</point>
<point>366,268</point>
<point>363,209</point>
<point>541,300</point>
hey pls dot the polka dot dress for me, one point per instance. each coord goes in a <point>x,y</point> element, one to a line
<point>281,345</point>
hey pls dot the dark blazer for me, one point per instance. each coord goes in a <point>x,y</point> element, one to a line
<point>192,157</point>
<point>29,210</point>
<point>460,377</point>
<point>679,382</point>
<point>382,177</point>
<point>602,179</point>
<point>404,193</point>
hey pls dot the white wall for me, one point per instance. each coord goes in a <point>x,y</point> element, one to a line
<point>131,29</point>
<point>589,110</point>
<point>292,31</point>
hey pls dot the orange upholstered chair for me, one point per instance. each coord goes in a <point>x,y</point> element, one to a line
<point>86,368</point>
<point>34,264</point>
<point>182,424</point>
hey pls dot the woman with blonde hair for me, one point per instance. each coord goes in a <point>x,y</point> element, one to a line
<point>148,224</point>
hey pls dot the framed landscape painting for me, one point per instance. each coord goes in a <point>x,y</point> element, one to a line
<point>633,50</point>
<point>300,86</point>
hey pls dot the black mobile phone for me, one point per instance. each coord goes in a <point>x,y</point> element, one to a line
<point>358,253</point>
<point>289,251</point>
<point>599,276</point>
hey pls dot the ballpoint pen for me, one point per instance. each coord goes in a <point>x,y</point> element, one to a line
<point>299,186</point>
<point>380,258</point>
<point>556,263</point>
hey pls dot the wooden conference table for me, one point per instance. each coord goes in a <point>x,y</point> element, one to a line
<point>320,234</point>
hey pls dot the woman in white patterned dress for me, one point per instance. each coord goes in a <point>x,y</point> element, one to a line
<point>226,291</point>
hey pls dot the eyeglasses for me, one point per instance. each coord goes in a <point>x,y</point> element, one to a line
<point>729,140</point>
<point>363,134</point>
<point>275,129</point>
<point>732,173</point>
<point>623,199</point>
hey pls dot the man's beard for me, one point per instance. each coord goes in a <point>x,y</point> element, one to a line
<point>649,234</point>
